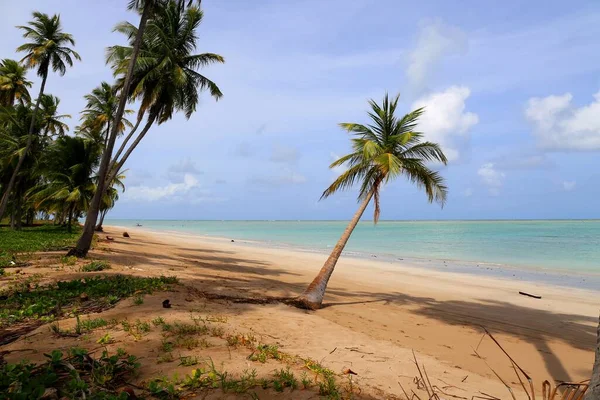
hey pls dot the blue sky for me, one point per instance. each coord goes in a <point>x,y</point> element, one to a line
<point>512,92</point>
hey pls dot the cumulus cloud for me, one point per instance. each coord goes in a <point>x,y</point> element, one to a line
<point>492,178</point>
<point>569,185</point>
<point>559,125</point>
<point>445,120</point>
<point>284,154</point>
<point>169,191</point>
<point>177,171</point>
<point>436,40</point>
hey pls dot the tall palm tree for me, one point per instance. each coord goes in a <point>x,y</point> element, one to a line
<point>48,48</point>
<point>70,179</point>
<point>101,108</point>
<point>382,151</point>
<point>146,9</point>
<point>163,77</point>
<point>13,83</point>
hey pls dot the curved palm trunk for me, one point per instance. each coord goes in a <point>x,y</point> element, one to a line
<point>116,157</point>
<point>117,167</point>
<point>593,392</point>
<point>69,227</point>
<point>312,298</point>
<point>85,241</point>
<point>13,177</point>
<point>102,215</point>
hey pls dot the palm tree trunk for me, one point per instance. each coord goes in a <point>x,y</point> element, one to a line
<point>69,229</point>
<point>116,157</point>
<point>312,298</point>
<point>13,178</point>
<point>102,215</point>
<point>85,241</point>
<point>115,170</point>
<point>593,392</point>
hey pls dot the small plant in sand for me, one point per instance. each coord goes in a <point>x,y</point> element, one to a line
<point>138,300</point>
<point>265,352</point>
<point>94,266</point>
<point>68,260</point>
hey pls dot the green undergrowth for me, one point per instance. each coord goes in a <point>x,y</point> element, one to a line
<point>14,245</point>
<point>96,266</point>
<point>27,300</point>
<point>76,375</point>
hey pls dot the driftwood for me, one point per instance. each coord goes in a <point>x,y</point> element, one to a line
<point>530,295</point>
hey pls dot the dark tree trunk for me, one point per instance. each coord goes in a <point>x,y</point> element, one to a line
<point>102,215</point>
<point>13,178</point>
<point>117,167</point>
<point>312,298</point>
<point>593,392</point>
<point>85,241</point>
<point>69,227</point>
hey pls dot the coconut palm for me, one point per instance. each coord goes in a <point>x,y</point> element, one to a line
<point>51,120</point>
<point>47,48</point>
<point>382,151</point>
<point>146,9</point>
<point>101,108</point>
<point>13,83</point>
<point>111,195</point>
<point>70,180</point>
<point>160,72</point>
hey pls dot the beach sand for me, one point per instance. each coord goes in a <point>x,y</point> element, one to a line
<point>376,313</point>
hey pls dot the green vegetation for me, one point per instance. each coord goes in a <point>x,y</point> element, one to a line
<point>15,244</point>
<point>77,375</point>
<point>265,352</point>
<point>95,266</point>
<point>388,149</point>
<point>47,302</point>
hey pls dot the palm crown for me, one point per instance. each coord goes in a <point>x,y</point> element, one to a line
<point>165,77</point>
<point>13,83</point>
<point>101,108</point>
<point>386,149</point>
<point>48,45</point>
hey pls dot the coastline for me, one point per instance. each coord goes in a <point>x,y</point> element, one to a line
<point>565,278</point>
<point>437,313</point>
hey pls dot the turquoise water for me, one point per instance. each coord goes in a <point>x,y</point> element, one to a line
<point>570,246</point>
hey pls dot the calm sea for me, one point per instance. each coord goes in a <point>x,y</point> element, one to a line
<point>554,245</point>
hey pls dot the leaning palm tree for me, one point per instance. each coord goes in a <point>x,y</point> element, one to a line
<point>146,9</point>
<point>51,119</point>
<point>383,151</point>
<point>111,195</point>
<point>13,83</point>
<point>48,48</point>
<point>163,78</point>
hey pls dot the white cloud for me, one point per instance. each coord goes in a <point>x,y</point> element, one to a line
<point>436,40</point>
<point>569,185</point>
<point>468,192</point>
<point>445,120</point>
<point>284,154</point>
<point>491,178</point>
<point>177,171</point>
<point>170,191</point>
<point>558,125</point>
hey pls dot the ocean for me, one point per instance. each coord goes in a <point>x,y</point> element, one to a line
<point>565,249</point>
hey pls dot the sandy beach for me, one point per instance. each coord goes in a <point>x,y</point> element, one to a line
<point>384,310</point>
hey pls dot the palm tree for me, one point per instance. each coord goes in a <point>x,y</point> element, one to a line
<point>51,120</point>
<point>48,48</point>
<point>111,195</point>
<point>383,151</point>
<point>13,83</point>
<point>146,9</point>
<point>70,180</point>
<point>593,392</point>
<point>101,107</point>
<point>163,77</point>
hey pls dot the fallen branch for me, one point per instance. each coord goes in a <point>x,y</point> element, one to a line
<point>530,295</point>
